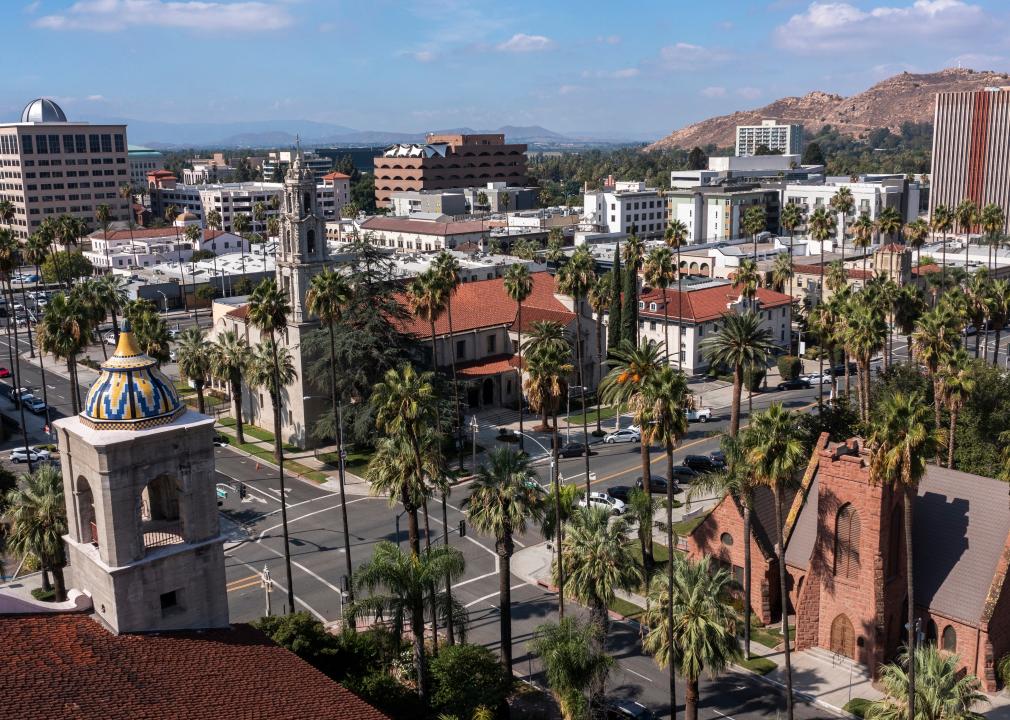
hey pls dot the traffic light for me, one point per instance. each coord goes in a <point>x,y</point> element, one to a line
<point>241,490</point>
<point>462,528</point>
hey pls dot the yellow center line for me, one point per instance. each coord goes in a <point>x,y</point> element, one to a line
<point>254,583</point>
<point>242,580</point>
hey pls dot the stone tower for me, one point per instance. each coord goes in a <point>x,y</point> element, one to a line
<point>138,474</point>
<point>302,250</point>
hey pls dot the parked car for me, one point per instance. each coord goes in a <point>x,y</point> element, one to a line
<point>600,500</point>
<point>173,333</point>
<point>702,463</point>
<point>20,455</point>
<point>699,414</point>
<point>719,456</point>
<point>816,378</point>
<point>625,435</point>
<point>627,710</point>
<point>35,405</point>
<point>797,384</point>
<point>657,485</point>
<point>110,338</point>
<point>575,449</point>
<point>221,440</point>
<point>684,474</point>
<point>619,492</point>
<point>4,372</point>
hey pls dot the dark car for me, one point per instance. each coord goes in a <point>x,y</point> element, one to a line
<point>702,463</point>
<point>574,449</point>
<point>797,384</point>
<point>619,492</point>
<point>682,474</point>
<point>719,456</point>
<point>839,370</point>
<point>628,710</point>
<point>657,485</point>
<point>220,440</point>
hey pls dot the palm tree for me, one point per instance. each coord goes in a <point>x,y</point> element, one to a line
<point>519,286</point>
<point>946,691</point>
<point>575,279</point>
<point>63,332</point>
<point>991,220</point>
<point>113,295</point>
<point>842,203</point>
<point>195,361</point>
<point>942,222</point>
<point>748,279</point>
<point>775,453</point>
<point>406,578</point>
<point>229,361</point>
<point>504,498</point>
<point>447,269</point>
<point>903,439</point>
<point>599,301</point>
<point>957,381</point>
<point>573,662</point>
<point>862,235</point>
<point>37,515</point>
<point>865,333</point>
<point>934,340</point>
<point>977,294</point>
<point>998,305</point>
<point>241,224</point>
<point>659,272</point>
<point>741,342</point>
<point>909,305</point>
<point>268,312</point>
<point>103,214</point>
<point>889,223</point>
<point>792,218</point>
<point>782,271</point>
<point>754,221</point>
<point>916,233</point>
<point>703,624</point>
<point>675,237</point>
<point>966,217</point>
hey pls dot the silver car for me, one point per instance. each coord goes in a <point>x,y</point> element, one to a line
<point>624,435</point>
<point>603,501</point>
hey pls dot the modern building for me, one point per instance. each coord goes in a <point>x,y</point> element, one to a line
<point>147,247</point>
<point>473,266</point>
<point>625,207</point>
<point>715,214</point>
<point>870,196</point>
<point>448,161</point>
<point>971,149</point>
<point>728,170</point>
<point>492,198</point>
<point>142,161</point>
<point>332,203</point>
<point>277,162</point>
<point>214,169</point>
<point>777,137</point>
<point>50,167</point>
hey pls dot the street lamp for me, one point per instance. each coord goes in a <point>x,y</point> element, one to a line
<point>473,445</point>
<point>268,585</point>
<point>163,295</point>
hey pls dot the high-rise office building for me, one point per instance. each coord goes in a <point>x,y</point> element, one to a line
<point>50,167</point>
<point>783,138</point>
<point>971,149</point>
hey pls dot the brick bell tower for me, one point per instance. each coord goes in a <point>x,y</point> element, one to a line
<point>852,601</point>
<point>138,474</point>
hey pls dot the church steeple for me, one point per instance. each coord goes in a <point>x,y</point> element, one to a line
<point>302,249</point>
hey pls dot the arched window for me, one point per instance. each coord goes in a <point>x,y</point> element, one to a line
<point>86,511</point>
<point>949,641</point>
<point>847,543</point>
<point>158,514</point>
<point>306,203</point>
<point>310,241</point>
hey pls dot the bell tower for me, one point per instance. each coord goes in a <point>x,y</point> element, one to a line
<point>138,475</point>
<point>301,253</point>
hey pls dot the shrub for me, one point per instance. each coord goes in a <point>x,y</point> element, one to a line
<point>789,367</point>
<point>1003,670</point>
<point>385,693</point>
<point>857,706</point>
<point>753,377</point>
<point>464,677</point>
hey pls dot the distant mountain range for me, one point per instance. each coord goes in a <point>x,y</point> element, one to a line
<point>906,97</point>
<point>273,134</point>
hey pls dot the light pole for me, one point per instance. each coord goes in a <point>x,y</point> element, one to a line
<point>165,297</point>
<point>473,444</point>
<point>268,585</point>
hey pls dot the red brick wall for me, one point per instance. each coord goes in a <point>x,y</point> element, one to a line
<point>973,648</point>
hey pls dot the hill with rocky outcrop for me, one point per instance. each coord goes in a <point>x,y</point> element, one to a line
<point>902,98</point>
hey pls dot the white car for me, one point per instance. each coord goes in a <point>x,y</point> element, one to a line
<point>603,501</point>
<point>702,415</point>
<point>20,455</point>
<point>110,338</point>
<point>817,378</point>
<point>623,436</point>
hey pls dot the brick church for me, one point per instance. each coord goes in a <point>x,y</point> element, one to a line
<point>845,560</point>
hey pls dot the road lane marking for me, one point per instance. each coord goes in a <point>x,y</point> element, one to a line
<point>647,679</point>
<point>307,515</point>
<point>305,570</point>
<point>284,590</point>
<point>253,583</point>
<point>723,715</point>
<point>475,579</point>
<point>245,579</point>
<point>491,595</point>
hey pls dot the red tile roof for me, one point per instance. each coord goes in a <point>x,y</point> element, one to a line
<point>488,366</point>
<point>485,303</point>
<point>851,273</point>
<point>162,232</point>
<point>239,313</point>
<point>706,303</point>
<point>69,666</point>
<point>927,269</point>
<point>423,227</point>
<point>336,176</point>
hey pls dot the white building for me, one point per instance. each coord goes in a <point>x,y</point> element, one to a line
<point>425,234</point>
<point>281,159</point>
<point>787,139</point>
<point>472,266</point>
<point>209,170</point>
<point>626,207</point>
<point>870,196</point>
<point>147,247</point>
<point>143,160</point>
<point>715,214</point>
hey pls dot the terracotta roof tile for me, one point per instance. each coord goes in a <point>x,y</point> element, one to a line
<point>706,303</point>
<point>336,176</point>
<point>423,227</point>
<point>239,313</point>
<point>488,366</point>
<point>851,273</point>
<point>69,666</point>
<point>169,233</point>
<point>927,269</point>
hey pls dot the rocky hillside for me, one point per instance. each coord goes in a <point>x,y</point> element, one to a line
<point>889,103</point>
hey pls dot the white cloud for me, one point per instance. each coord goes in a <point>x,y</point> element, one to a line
<point>750,93</point>
<point>622,74</point>
<point>111,15</point>
<point>521,43</point>
<point>830,27</point>
<point>423,56</point>
<point>608,39</point>
<point>714,91</point>
<point>95,98</point>
<point>685,56</point>
<point>568,89</point>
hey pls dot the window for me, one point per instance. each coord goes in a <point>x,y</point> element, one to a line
<point>491,340</point>
<point>949,641</point>
<point>652,306</point>
<point>460,349</point>
<point>847,543</point>
<point>93,144</point>
<point>726,539</point>
<point>170,602</point>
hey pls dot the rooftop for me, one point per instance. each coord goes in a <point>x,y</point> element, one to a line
<point>707,301</point>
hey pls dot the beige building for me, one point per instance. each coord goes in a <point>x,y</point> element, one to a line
<point>50,167</point>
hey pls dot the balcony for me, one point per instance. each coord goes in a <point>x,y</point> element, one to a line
<point>159,533</point>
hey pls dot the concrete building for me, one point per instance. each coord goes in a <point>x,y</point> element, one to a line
<point>50,167</point>
<point>492,198</point>
<point>870,196</point>
<point>147,247</point>
<point>784,138</point>
<point>715,214</point>
<point>278,161</point>
<point>142,161</point>
<point>971,149</point>
<point>448,161</point>
<point>332,204</point>
<point>625,207</point>
<point>728,171</point>
<point>473,266</point>
<point>214,169</point>
<point>423,233</point>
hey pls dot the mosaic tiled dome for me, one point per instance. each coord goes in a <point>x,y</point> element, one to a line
<point>131,392</point>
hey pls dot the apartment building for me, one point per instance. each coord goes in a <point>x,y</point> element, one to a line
<point>777,137</point>
<point>448,161</point>
<point>971,149</point>
<point>50,167</point>
<point>142,161</point>
<point>870,196</point>
<point>715,214</point>
<point>626,207</point>
<point>278,161</point>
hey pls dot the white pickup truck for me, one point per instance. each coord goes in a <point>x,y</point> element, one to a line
<point>699,414</point>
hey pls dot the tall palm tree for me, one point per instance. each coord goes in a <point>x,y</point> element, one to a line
<point>998,304</point>
<point>991,220</point>
<point>575,279</point>
<point>966,217</point>
<point>519,286</point>
<point>63,332</point>
<point>240,225</point>
<point>573,662</point>
<point>842,203</point>
<point>675,237</point>
<point>945,690</point>
<point>703,626</point>
<point>865,333</point>
<point>903,439</point>
<point>862,235</point>
<point>37,515</point>
<point>916,233</point>
<point>747,278</point>
<point>909,305</point>
<point>775,454</point>
<point>447,269</point>
<point>406,577</point>
<point>628,382</point>
<point>942,222</point>
<point>103,215</point>
<point>599,300</point>
<point>889,223</point>
<point>957,380</point>
<point>229,361</point>
<point>741,342</point>
<point>505,497</point>
<point>827,321</point>
<point>935,338</point>
<point>659,272</point>
<point>792,218</point>
<point>782,271</point>
<point>754,221</point>
<point>977,293</point>
<point>195,361</point>
<point>113,295</point>
<point>268,312</point>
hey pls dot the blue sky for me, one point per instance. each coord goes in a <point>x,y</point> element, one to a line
<point>636,69</point>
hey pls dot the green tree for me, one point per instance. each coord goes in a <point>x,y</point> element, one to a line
<point>66,266</point>
<point>569,651</point>
<point>466,678</point>
<point>991,220</point>
<point>903,439</point>
<point>696,159</point>
<point>614,335</point>
<point>966,216</point>
<point>747,279</point>
<point>741,342</point>
<point>63,330</point>
<point>916,233</point>
<point>782,271</point>
<point>957,382</point>
<point>944,692</point>
<point>889,223</point>
<point>753,223</point>
<point>447,271</point>
<point>792,218</point>
<point>38,521</point>
<point>942,222</point>
<point>843,203</point>
<point>865,333</point>
<point>633,253</point>
<point>935,338</point>
<point>519,286</point>
<point>505,497</point>
<point>659,272</point>
<point>675,237</point>
<point>703,624</point>
<point>812,155</point>
<point>862,235</point>
<point>229,361</point>
<point>195,361</point>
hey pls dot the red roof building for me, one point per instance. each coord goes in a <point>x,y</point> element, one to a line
<point>418,234</point>
<point>69,666</point>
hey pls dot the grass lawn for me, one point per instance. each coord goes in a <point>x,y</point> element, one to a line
<point>294,466</point>
<point>606,412</point>
<point>258,433</point>
<point>768,635</point>
<point>627,609</point>
<point>356,459</point>
<point>760,665</point>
